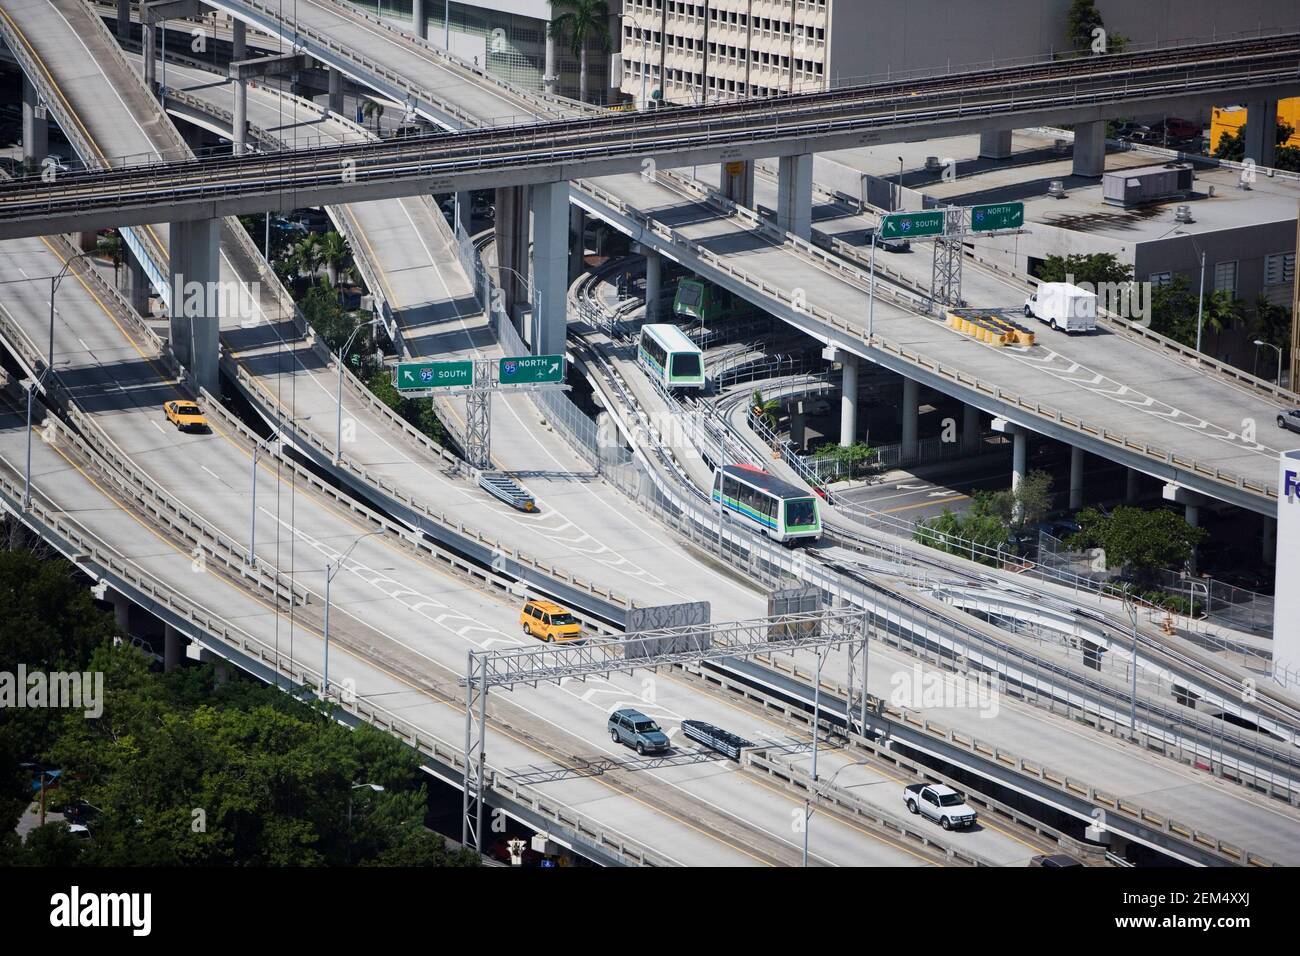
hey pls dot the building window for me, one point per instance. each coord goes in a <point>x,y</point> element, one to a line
<point>1225,277</point>
<point>1158,279</point>
<point>1279,269</point>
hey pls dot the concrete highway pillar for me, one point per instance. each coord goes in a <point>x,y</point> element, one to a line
<point>512,248</point>
<point>1090,149</point>
<point>653,271</point>
<point>123,19</point>
<point>220,669</point>
<point>849,401</point>
<point>995,145</point>
<point>139,284</point>
<point>240,46</point>
<point>418,20</point>
<point>549,75</point>
<point>550,203</point>
<point>794,195</point>
<point>1132,486</point>
<point>911,399</point>
<point>148,34</point>
<point>1076,477</point>
<point>122,614</point>
<point>336,92</point>
<point>577,242</point>
<point>239,137</point>
<point>173,649</point>
<point>970,429</point>
<point>464,211</point>
<point>1019,458</point>
<point>1260,134</point>
<point>195,318</point>
<point>36,128</point>
<point>738,183</point>
<point>1192,515</point>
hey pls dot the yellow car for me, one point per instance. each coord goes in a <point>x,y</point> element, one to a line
<point>186,416</point>
<point>549,621</point>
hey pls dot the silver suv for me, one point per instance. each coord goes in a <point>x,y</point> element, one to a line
<point>634,729</point>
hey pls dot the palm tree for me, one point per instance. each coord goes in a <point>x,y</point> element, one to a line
<point>336,254</point>
<point>765,409</point>
<point>581,19</point>
<point>309,256</point>
<point>375,110</point>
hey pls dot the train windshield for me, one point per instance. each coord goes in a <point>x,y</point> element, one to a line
<point>689,294</point>
<point>800,512</point>
<point>686,363</point>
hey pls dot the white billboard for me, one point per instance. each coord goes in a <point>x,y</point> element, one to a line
<point>1286,603</point>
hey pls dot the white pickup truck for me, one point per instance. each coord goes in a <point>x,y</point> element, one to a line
<point>939,803</point>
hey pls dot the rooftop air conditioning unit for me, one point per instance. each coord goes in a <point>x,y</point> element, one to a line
<point>1183,214</point>
<point>932,163</point>
<point>1056,189</point>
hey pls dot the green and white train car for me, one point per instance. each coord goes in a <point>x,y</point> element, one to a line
<point>671,358</point>
<point>778,509</point>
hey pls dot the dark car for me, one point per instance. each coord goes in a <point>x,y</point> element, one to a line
<point>634,729</point>
<point>1289,420</point>
<point>1054,861</point>
<point>889,245</point>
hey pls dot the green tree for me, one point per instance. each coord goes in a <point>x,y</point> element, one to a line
<point>1095,268</point>
<point>320,306</point>
<point>1272,323</point>
<point>1173,310</point>
<point>766,409</point>
<point>1027,505</point>
<point>110,246</point>
<point>581,20</point>
<point>977,533</point>
<point>855,457</point>
<point>1232,147</point>
<point>1082,20</point>
<point>1138,540</point>
<point>373,110</point>
<point>336,254</point>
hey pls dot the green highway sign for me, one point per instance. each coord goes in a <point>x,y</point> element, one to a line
<point>531,369</point>
<point>422,375</point>
<point>1006,215</point>
<point>910,225</point>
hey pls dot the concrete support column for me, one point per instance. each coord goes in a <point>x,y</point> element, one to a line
<point>240,50</point>
<point>239,135</point>
<point>149,34</point>
<point>512,247</point>
<point>1132,486</point>
<point>1192,515</point>
<point>849,402</point>
<point>173,648</point>
<point>970,429</point>
<point>549,77</point>
<point>195,322</point>
<point>911,399</point>
<point>653,270</point>
<point>738,183</point>
<point>995,145</point>
<point>1090,149</point>
<point>550,202</point>
<point>221,669</point>
<point>1019,458</point>
<point>35,127</point>
<point>1076,477</point>
<point>139,284</point>
<point>123,19</point>
<point>794,195</point>
<point>122,614</point>
<point>464,211</point>
<point>577,244</point>
<point>1260,134</point>
<point>336,92</point>
<point>418,20</point>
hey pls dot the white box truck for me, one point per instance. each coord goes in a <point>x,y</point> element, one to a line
<point>1063,306</point>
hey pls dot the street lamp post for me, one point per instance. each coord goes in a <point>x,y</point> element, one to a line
<point>374,787</point>
<point>899,203</point>
<point>329,576</point>
<point>30,385</point>
<point>1258,343</point>
<point>343,356</point>
<point>55,280</point>
<point>871,297</point>
<point>1131,607</point>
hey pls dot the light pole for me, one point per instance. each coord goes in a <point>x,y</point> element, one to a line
<point>899,204</point>
<point>30,385</point>
<point>55,280</point>
<point>329,576</point>
<point>1200,298</point>
<point>871,296</point>
<point>1258,343</point>
<point>446,26</point>
<point>1130,605</point>
<point>807,804</point>
<point>645,67</point>
<point>338,421</point>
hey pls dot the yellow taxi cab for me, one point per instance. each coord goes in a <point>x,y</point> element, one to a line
<point>549,621</point>
<point>186,416</point>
